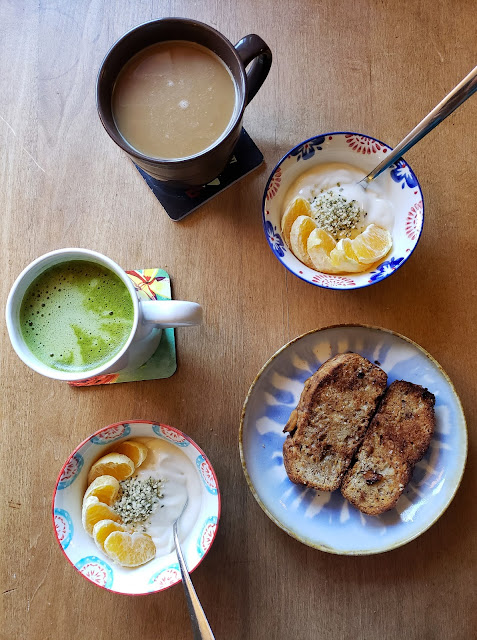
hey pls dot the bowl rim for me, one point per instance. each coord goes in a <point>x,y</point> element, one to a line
<point>323,547</point>
<point>82,444</point>
<point>272,174</point>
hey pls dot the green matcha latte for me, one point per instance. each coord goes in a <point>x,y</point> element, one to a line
<point>76,316</point>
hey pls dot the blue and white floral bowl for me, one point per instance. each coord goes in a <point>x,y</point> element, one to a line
<point>80,549</point>
<point>364,152</point>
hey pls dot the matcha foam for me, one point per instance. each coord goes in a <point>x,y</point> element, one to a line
<point>76,316</point>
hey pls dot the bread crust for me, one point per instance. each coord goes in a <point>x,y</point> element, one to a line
<point>331,419</point>
<point>398,437</point>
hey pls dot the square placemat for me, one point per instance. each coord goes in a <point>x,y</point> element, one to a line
<point>150,284</point>
<point>245,158</point>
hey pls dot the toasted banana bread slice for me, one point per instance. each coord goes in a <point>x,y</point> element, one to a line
<point>331,419</point>
<point>397,438</point>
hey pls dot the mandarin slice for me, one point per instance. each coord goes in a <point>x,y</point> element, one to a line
<point>319,246</point>
<point>105,488</point>
<point>300,231</point>
<point>112,464</point>
<point>133,449</point>
<point>103,528</point>
<point>297,207</point>
<point>129,549</point>
<point>344,259</point>
<point>372,244</point>
<point>93,511</point>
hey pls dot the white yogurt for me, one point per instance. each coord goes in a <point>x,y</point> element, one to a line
<point>341,179</point>
<point>168,463</point>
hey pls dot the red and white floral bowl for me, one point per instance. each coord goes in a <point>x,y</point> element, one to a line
<point>363,152</point>
<point>80,549</point>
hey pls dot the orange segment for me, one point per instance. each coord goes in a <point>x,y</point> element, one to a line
<point>103,528</point>
<point>297,207</point>
<point>93,511</point>
<point>112,464</point>
<point>319,246</point>
<point>348,256</point>
<point>136,451</point>
<point>105,488</point>
<point>301,229</point>
<point>344,259</point>
<point>372,244</point>
<point>129,549</point>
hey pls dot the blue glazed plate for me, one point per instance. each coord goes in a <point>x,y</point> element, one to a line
<point>324,520</point>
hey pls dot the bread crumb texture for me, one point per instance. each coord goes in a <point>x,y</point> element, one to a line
<point>331,419</point>
<point>398,437</point>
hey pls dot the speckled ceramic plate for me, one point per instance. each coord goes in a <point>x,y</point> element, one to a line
<point>323,520</point>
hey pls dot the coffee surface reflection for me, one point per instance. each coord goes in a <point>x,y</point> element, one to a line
<point>173,99</point>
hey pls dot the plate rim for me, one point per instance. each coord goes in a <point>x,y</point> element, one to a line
<point>324,547</point>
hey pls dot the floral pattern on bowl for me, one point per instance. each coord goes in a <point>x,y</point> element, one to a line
<point>70,471</point>
<point>111,434</point>
<point>96,570</point>
<point>172,435</point>
<point>364,152</point>
<point>80,549</point>
<point>63,527</point>
<point>325,520</point>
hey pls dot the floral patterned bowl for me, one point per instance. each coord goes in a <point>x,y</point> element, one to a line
<point>399,183</point>
<point>80,549</point>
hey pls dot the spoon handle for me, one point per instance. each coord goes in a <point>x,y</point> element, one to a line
<point>200,625</point>
<point>454,99</point>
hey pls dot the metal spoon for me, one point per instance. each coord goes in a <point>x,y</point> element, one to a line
<point>454,99</point>
<point>200,625</point>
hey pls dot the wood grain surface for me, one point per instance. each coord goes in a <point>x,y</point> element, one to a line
<point>372,66</point>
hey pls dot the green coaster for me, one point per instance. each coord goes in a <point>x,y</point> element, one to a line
<point>150,284</point>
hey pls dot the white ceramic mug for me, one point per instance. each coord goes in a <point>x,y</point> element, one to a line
<point>150,317</point>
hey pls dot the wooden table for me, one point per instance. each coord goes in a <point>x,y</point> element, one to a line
<point>371,66</point>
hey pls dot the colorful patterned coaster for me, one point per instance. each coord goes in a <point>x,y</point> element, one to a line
<point>150,284</point>
<point>178,204</point>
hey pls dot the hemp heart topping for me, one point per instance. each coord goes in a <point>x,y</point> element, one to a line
<point>137,499</point>
<point>336,214</point>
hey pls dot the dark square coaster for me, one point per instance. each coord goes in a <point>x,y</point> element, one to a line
<point>178,204</point>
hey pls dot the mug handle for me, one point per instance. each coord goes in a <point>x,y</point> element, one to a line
<point>249,48</point>
<point>170,313</point>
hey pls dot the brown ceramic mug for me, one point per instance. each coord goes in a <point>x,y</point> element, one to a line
<point>204,166</point>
